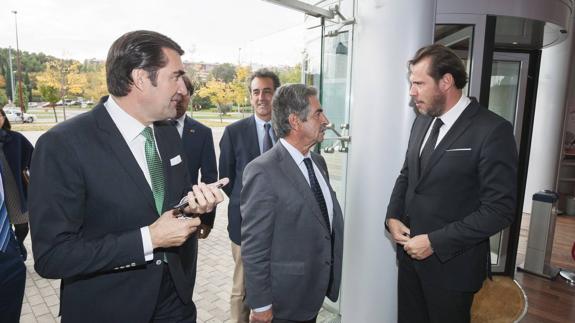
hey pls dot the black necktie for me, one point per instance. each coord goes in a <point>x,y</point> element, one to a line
<point>317,191</point>
<point>429,145</point>
<point>267,138</point>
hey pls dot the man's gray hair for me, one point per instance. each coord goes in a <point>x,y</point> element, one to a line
<point>288,99</point>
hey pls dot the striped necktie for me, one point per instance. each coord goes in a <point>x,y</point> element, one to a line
<point>316,189</point>
<point>4,221</point>
<point>267,138</point>
<point>155,168</point>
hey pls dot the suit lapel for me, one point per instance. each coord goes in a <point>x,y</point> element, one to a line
<point>111,136</point>
<point>419,136</point>
<point>251,132</point>
<point>187,128</point>
<point>459,127</point>
<point>165,145</point>
<point>292,171</point>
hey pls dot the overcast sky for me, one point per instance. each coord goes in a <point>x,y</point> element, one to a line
<point>208,30</point>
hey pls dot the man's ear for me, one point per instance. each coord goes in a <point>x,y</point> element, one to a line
<point>138,76</point>
<point>446,82</point>
<point>294,121</point>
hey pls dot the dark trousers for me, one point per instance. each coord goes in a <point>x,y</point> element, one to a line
<point>289,321</point>
<point>170,308</point>
<point>420,302</point>
<point>12,282</point>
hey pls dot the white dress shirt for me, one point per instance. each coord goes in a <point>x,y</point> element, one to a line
<point>298,158</point>
<point>131,130</point>
<point>448,119</point>
<point>261,132</point>
<point>180,124</point>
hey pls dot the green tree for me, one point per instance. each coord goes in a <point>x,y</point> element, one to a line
<point>30,63</point>
<point>52,95</point>
<point>24,96</point>
<point>3,98</point>
<point>289,74</point>
<point>200,102</point>
<point>224,73</point>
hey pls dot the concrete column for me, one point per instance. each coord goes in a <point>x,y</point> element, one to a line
<point>386,36</point>
<point>549,116</point>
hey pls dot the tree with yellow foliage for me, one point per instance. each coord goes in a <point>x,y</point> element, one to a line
<point>65,76</point>
<point>96,86</point>
<point>219,93</point>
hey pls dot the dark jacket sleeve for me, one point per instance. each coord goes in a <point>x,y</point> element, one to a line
<point>227,161</point>
<point>209,171</point>
<point>57,202</point>
<point>396,206</point>
<point>258,217</point>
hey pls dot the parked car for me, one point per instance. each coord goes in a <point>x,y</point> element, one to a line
<point>15,115</point>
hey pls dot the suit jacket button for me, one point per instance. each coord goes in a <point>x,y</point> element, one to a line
<point>158,262</point>
<point>328,263</point>
<point>327,238</point>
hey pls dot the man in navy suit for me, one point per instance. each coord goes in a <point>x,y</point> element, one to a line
<point>199,151</point>
<point>242,142</point>
<point>457,188</point>
<point>200,156</point>
<point>102,190</point>
<point>12,268</point>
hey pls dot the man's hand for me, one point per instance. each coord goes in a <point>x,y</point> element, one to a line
<point>262,317</point>
<point>172,231</point>
<point>203,198</point>
<point>399,232</point>
<point>204,231</point>
<point>418,247</point>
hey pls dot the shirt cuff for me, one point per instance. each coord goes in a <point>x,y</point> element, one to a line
<point>262,309</point>
<point>147,243</point>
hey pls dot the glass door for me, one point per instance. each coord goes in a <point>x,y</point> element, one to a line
<point>327,66</point>
<point>334,97</point>
<point>460,39</point>
<point>507,99</point>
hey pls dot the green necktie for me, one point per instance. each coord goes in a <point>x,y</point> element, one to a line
<point>155,168</point>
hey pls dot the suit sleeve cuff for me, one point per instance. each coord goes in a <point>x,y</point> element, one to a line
<point>147,243</point>
<point>263,308</point>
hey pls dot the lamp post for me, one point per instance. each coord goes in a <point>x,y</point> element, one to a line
<point>19,66</point>
<point>11,73</point>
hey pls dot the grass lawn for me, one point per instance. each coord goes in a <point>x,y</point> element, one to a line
<point>37,126</point>
<point>45,118</point>
<point>31,126</point>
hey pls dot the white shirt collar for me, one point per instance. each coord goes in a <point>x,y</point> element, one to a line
<point>451,116</point>
<point>260,122</point>
<point>180,124</point>
<point>129,127</point>
<point>294,152</point>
